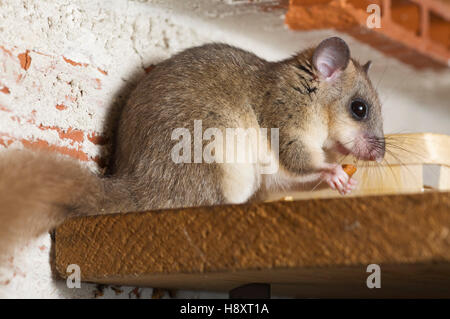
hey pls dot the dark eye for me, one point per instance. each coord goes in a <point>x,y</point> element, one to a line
<point>359,109</point>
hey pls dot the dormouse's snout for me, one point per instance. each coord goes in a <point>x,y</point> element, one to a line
<point>370,148</point>
<point>380,150</point>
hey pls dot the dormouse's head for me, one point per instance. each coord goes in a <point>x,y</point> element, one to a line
<point>355,122</point>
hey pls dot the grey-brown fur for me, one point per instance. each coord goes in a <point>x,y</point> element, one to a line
<point>224,87</point>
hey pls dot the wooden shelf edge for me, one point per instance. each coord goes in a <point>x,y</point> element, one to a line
<point>415,280</point>
<point>294,245</point>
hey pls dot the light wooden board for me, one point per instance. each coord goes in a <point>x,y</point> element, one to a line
<point>444,178</point>
<point>401,172</point>
<point>308,248</point>
<point>395,179</point>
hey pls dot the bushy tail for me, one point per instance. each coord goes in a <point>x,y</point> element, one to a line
<point>39,190</point>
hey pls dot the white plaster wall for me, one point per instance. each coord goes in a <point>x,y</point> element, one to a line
<point>122,38</point>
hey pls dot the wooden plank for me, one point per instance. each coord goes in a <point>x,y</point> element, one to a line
<point>416,148</point>
<point>401,172</point>
<point>395,179</point>
<point>397,281</point>
<point>309,248</point>
<point>444,178</point>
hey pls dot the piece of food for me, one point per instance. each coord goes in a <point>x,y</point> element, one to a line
<point>349,169</point>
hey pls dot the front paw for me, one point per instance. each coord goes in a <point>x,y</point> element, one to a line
<point>338,179</point>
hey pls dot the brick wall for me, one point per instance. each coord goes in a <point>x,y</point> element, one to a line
<point>416,32</point>
<point>67,66</point>
<point>52,102</point>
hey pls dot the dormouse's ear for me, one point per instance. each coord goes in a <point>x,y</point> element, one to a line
<point>366,66</point>
<point>331,56</point>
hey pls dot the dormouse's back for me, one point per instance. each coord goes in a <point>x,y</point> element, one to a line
<point>209,70</point>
